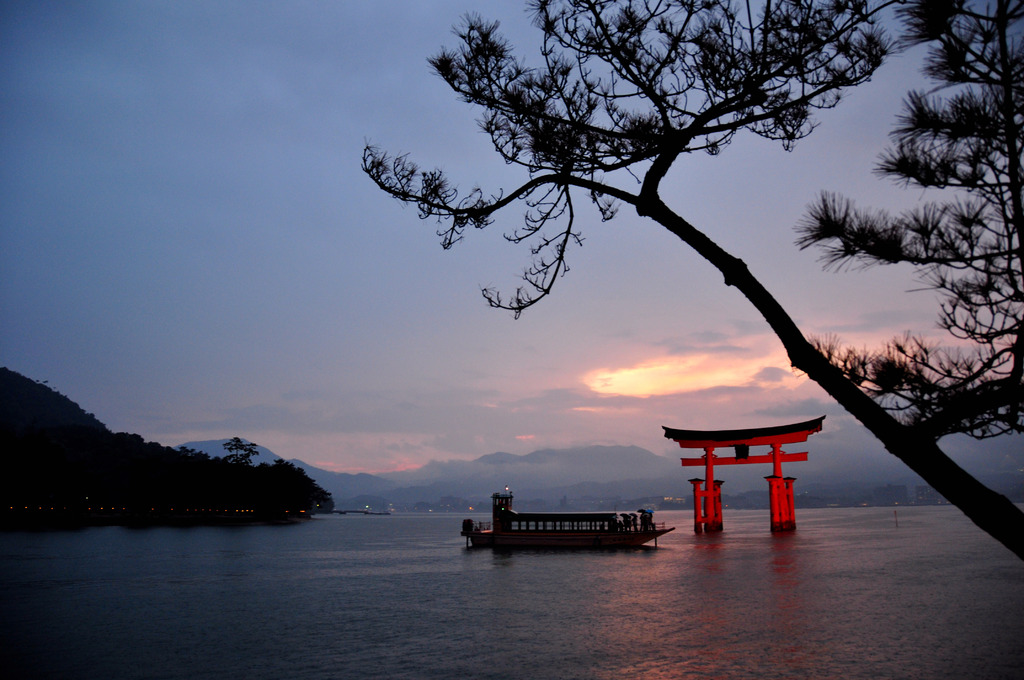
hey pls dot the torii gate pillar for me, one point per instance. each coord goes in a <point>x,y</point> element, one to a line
<point>780,500</point>
<point>707,506</point>
<point>707,501</point>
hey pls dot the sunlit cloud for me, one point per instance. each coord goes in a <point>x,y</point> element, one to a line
<point>617,408</point>
<point>691,373</point>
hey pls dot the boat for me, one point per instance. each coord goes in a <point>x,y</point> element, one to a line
<point>511,529</point>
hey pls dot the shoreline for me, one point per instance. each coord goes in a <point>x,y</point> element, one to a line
<point>61,521</point>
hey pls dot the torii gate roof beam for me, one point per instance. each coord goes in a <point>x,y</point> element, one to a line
<point>754,436</point>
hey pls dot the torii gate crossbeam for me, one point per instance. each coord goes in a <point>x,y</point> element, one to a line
<point>707,501</point>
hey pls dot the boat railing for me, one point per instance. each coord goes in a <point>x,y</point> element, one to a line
<point>653,526</point>
<point>471,525</point>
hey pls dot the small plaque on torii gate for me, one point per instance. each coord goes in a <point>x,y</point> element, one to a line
<point>707,501</point>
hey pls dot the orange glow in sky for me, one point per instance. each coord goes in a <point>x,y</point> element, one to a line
<point>676,374</point>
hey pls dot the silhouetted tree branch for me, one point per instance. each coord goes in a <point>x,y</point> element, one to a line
<point>623,87</point>
<point>969,247</point>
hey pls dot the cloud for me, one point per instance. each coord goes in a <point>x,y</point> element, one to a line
<point>772,374</point>
<point>692,372</point>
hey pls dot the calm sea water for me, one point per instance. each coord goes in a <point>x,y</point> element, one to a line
<point>849,595</point>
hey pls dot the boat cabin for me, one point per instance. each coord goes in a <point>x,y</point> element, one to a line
<point>507,520</point>
<point>509,528</point>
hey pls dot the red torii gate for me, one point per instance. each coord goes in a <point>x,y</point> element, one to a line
<point>707,502</point>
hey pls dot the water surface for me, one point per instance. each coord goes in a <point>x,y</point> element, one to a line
<point>848,595</point>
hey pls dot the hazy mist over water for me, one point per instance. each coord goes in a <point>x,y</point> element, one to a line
<point>849,595</point>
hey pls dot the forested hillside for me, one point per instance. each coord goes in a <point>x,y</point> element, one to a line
<point>64,467</point>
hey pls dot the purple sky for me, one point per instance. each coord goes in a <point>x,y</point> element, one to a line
<point>190,250</point>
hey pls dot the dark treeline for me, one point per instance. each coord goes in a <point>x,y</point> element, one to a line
<point>84,475</point>
<point>63,467</point>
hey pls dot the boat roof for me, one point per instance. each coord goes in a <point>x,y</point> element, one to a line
<point>563,516</point>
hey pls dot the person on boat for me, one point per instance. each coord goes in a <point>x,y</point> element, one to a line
<point>646,520</point>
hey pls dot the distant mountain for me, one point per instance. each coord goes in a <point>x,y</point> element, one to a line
<point>544,468</point>
<point>549,474</point>
<point>29,405</point>
<point>29,408</point>
<point>605,471</point>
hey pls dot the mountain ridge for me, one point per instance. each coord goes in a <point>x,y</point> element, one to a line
<point>550,475</point>
<point>27,405</point>
<point>547,474</point>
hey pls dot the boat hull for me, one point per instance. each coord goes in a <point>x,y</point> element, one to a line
<point>558,539</point>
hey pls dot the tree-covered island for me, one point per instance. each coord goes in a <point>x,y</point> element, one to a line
<point>63,467</point>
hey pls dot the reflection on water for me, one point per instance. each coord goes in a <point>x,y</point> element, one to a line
<point>848,595</point>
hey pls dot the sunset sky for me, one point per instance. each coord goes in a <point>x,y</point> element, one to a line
<point>190,250</point>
